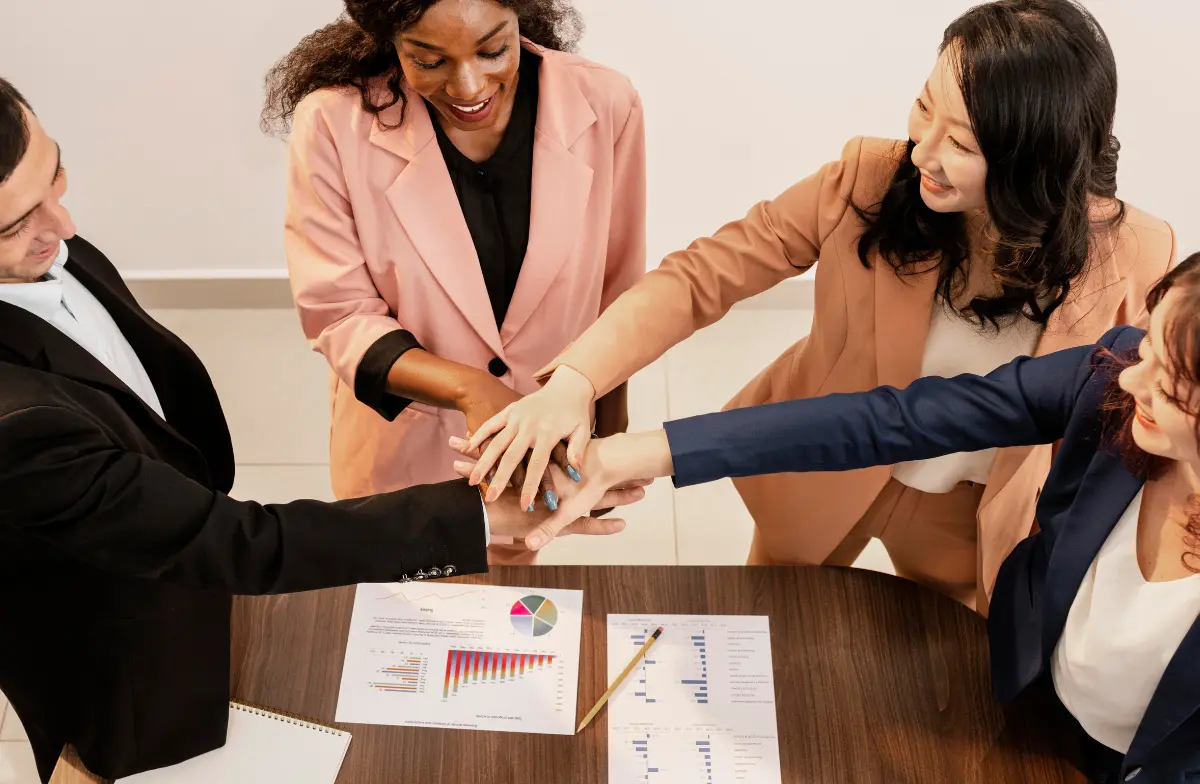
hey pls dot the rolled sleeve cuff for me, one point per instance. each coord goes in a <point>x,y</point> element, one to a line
<point>371,376</point>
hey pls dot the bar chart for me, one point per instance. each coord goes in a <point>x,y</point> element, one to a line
<point>408,675</point>
<point>466,667</point>
<point>700,708</point>
<point>695,670</point>
<point>689,755</point>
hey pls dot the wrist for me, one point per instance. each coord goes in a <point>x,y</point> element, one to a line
<point>570,382</point>
<point>473,389</point>
<point>629,456</point>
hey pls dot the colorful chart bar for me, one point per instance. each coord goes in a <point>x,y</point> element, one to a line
<point>405,677</point>
<point>468,667</point>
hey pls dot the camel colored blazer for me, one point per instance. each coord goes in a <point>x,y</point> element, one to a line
<point>376,241</point>
<point>869,330</point>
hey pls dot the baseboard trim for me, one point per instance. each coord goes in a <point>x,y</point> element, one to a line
<point>269,289</point>
<point>211,293</point>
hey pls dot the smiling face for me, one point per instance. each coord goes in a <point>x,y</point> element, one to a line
<point>32,218</point>
<point>953,170</point>
<point>1164,419</point>
<point>463,57</point>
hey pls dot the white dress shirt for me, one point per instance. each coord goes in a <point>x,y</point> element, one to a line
<point>955,346</point>
<point>1121,634</point>
<point>66,304</point>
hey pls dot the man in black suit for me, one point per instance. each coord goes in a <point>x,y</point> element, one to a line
<point>119,546</point>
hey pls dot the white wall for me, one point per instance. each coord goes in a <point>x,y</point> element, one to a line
<point>156,105</point>
<point>744,98</point>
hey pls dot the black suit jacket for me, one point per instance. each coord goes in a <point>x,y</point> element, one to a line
<point>1055,398</point>
<point>120,548</point>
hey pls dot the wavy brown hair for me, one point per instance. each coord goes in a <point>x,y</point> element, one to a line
<point>1040,83</point>
<point>358,51</point>
<point>1181,350</point>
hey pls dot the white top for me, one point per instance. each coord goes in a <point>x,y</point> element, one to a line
<point>955,346</point>
<point>66,304</point>
<point>1120,636</point>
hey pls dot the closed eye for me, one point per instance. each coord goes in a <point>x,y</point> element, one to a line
<point>959,145</point>
<point>494,55</point>
<point>19,231</point>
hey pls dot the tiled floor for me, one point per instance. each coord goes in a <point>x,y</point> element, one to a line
<point>274,392</point>
<point>16,758</point>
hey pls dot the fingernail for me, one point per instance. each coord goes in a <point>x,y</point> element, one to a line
<point>533,542</point>
<point>551,500</point>
<point>574,474</point>
<point>456,441</point>
<point>530,509</point>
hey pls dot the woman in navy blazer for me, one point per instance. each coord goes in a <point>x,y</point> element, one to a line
<point>1128,441</point>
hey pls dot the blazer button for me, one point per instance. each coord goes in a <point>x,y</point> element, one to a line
<point>1133,774</point>
<point>497,367</point>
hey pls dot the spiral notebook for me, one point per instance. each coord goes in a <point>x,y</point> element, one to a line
<point>261,746</point>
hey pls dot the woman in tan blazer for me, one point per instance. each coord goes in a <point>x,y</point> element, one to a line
<point>464,199</point>
<point>994,232</point>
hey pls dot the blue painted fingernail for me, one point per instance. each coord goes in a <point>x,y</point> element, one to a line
<point>551,500</point>
<point>530,509</point>
<point>574,474</point>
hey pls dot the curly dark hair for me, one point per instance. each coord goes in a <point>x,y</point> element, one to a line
<point>1182,352</point>
<point>1040,83</point>
<point>358,49</point>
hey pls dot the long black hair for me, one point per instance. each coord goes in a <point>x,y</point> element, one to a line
<point>358,51</point>
<point>1040,84</point>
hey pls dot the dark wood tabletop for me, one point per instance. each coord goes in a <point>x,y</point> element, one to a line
<point>876,680</point>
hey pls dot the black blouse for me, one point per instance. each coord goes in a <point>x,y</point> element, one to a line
<point>495,196</point>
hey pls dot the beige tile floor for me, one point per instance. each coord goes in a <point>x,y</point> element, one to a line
<point>274,391</point>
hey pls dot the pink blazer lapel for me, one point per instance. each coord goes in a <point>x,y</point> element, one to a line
<point>426,205</point>
<point>562,184</point>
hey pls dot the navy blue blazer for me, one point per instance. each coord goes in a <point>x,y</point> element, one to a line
<point>1026,402</point>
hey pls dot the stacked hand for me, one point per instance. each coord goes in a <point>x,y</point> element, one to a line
<point>491,404</point>
<point>614,471</point>
<point>539,424</point>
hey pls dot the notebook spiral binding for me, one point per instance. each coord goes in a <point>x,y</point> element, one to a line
<point>288,718</point>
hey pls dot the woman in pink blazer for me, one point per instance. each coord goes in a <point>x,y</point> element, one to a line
<point>464,200</point>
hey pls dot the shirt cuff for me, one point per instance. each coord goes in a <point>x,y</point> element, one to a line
<point>371,376</point>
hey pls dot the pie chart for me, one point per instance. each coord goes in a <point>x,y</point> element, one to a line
<point>534,615</point>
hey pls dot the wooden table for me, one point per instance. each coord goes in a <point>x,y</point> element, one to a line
<point>876,680</point>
